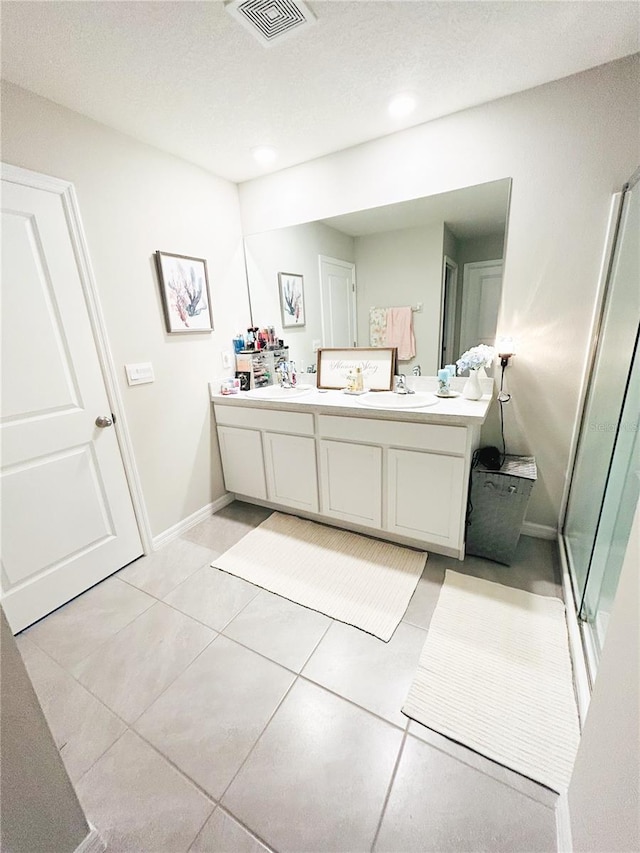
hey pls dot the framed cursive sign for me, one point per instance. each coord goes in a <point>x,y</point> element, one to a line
<point>377,365</point>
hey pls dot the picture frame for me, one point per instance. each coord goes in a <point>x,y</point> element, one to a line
<point>378,366</point>
<point>186,298</point>
<point>291,292</point>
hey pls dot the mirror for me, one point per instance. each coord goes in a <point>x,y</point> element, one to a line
<point>442,255</point>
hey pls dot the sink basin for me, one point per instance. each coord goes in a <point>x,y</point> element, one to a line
<point>391,400</point>
<point>276,392</point>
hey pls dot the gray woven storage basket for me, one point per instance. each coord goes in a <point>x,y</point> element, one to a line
<point>498,502</point>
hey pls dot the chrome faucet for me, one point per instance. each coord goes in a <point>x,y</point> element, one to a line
<point>401,385</point>
<point>417,370</point>
<point>284,375</point>
<point>287,374</point>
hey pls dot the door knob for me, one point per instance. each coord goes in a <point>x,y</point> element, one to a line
<point>103,421</point>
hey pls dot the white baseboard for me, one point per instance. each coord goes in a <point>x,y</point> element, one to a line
<point>191,520</point>
<point>92,843</point>
<point>563,825</point>
<point>539,531</point>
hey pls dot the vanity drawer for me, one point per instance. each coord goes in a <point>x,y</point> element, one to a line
<point>434,437</point>
<point>298,423</point>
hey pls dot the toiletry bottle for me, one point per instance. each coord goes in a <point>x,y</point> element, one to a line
<point>359,379</point>
<point>351,381</point>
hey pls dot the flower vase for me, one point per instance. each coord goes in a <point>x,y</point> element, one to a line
<point>472,389</point>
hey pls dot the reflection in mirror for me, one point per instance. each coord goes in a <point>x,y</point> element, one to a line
<point>442,255</point>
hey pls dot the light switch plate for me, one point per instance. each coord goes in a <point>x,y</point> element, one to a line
<point>138,374</point>
<point>226,359</point>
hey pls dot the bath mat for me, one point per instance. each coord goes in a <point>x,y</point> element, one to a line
<point>495,675</point>
<point>361,581</point>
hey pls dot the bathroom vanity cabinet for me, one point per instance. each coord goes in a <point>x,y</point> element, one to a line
<point>269,455</point>
<point>401,476</point>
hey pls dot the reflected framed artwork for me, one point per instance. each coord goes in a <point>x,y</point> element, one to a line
<point>290,288</point>
<point>184,287</point>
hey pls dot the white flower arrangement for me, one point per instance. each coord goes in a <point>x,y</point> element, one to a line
<point>476,357</point>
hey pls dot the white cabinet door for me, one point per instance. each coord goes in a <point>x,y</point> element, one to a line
<point>290,466</point>
<point>242,461</point>
<point>425,496</point>
<point>351,478</point>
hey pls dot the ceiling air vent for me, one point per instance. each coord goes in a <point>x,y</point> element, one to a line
<point>270,21</point>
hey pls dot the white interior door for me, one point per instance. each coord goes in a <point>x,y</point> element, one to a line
<point>481,293</point>
<point>338,302</point>
<point>67,515</point>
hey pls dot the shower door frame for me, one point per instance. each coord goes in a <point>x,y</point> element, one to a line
<point>581,638</point>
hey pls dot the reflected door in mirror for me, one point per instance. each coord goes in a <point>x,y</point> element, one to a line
<point>482,288</point>
<point>337,300</point>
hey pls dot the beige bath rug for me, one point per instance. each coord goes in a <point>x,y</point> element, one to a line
<point>361,581</point>
<point>495,675</point>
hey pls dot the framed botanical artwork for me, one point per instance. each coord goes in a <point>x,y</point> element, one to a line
<point>378,365</point>
<point>184,286</point>
<point>291,299</point>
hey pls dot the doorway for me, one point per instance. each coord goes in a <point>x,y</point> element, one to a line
<point>68,516</point>
<point>481,294</point>
<point>338,302</point>
<point>448,312</point>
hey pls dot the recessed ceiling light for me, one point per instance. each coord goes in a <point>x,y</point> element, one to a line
<point>401,106</point>
<point>264,154</point>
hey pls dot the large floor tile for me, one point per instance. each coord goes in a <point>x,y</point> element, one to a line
<point>222,834</point>
<point>139,803</point>
<point>212,596</point>
<point>227,526</point>
<point>371,673</point>
<point>317,778</point>
<point>78,628</point>
<point>440,804</point>
<point>424,599</point>
<point>131,670</point>
<point>278,628</point>
<point>162,571</point>
<point>480,762</point>
<point>82,727</point>
<point>209,719</point>
<point>533,568</point>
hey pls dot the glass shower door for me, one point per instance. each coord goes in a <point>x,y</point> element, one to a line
<point>616,518</point>
<point>604,484</point>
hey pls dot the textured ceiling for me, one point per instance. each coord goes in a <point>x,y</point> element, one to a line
<point>187,78</point>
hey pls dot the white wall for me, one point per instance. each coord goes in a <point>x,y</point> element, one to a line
<point>403,267</point>
<point>604,794</point>
<point>293,250</point>
<point>567,146</point>
<point>134,200</point>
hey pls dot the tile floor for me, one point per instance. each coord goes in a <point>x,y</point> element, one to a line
<point>196,712</point>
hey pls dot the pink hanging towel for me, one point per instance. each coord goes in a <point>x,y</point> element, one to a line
<point>400,332</point>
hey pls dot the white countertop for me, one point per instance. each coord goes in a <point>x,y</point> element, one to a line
<point>456,411</point>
